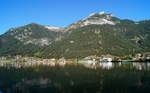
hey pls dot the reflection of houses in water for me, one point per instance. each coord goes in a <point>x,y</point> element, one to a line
<point>148,66</point>
<point>141,66</point>
<point>138,66</point>
<point>88,61</point>
<point>91,62</point>
<point>106,65</point>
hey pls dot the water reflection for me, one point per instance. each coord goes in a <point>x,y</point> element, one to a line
<point>106,65</point>
<point>92,65</point>
<point>111,65</point>
<point>141,66</point>
<point>104,77</point>
<point>1,91</point>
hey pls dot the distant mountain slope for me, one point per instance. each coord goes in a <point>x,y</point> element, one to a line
<point>92,40</point>
<point>98,34</point>
<point>27,39</point>
<point>96,19</point>
<point>123,37</point>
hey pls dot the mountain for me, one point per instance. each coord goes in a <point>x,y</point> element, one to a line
<point>98,34</point>
<point>96,19</point>
<point>101,34</point>
<point>27,39</point>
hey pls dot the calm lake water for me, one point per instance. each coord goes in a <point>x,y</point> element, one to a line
<point>102,78</point>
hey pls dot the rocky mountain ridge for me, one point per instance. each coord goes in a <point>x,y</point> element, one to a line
<point>97,34</point>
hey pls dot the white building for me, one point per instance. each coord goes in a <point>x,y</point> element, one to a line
<point>105,59</point>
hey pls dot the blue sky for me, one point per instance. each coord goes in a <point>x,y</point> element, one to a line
<point>14,13</point>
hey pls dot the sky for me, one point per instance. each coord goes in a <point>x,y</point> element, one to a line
<point>15,13</point>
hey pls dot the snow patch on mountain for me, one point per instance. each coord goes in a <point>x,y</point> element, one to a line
<point>98,22</point>
<point>52,27</point>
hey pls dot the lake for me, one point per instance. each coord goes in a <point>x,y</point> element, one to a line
<point>101,78</point>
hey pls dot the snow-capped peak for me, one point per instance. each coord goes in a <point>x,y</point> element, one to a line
<point>52,27</point>
<point>97,21</point>
<point>100,13</point>
<point>100,18</point>
<point>92,19</point>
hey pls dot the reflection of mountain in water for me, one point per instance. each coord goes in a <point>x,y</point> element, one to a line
<point>1,92</point>
<point>25,85</point>
<point>117,77</point>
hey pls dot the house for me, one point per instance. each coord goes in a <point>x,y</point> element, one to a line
<point>17,57</point>
<point>138,56</point>
<point>147,55</point>
<point>62,62</point>
<point>106,59</point>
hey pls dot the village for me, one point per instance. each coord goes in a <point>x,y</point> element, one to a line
<point>20,61</point>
